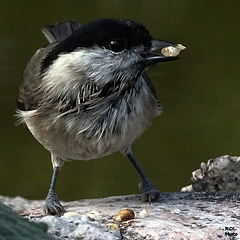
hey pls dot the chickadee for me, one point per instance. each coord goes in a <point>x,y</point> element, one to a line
<point>86,94</point>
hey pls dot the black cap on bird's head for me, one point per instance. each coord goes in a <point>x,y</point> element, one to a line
<point>115,35</point>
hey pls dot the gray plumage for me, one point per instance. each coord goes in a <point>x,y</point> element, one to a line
<point>89,101</point>
<point>69,114</point>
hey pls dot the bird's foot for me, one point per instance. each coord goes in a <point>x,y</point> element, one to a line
<point>52,204</point>
<point>149,193</point>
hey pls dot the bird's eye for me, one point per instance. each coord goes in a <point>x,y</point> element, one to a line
<point>116,45</point>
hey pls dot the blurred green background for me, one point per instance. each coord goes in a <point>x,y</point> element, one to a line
<point>200,94</point>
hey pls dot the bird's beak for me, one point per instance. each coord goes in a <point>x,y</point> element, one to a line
<point>162,51</point>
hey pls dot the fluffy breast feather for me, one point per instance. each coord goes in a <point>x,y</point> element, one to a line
<point>100,129</point>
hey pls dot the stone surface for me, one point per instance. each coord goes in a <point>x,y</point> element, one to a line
<point>202,211</point>
<point>219,174</point>
<point>182,215</point>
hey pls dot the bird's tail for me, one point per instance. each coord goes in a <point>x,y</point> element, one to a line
<point>60,31</point>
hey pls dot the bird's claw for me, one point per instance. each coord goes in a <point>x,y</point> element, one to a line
<point>52,205</point>
<point>149,193</point>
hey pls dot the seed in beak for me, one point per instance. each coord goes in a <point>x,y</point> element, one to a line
<point>172,51</point>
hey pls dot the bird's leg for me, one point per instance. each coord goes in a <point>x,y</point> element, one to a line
<point>150,194</point>
<point>52,204</point>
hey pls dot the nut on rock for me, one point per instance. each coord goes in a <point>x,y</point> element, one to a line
<point>124,215</point>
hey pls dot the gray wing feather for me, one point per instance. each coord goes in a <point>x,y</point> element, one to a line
<point>28,98</point>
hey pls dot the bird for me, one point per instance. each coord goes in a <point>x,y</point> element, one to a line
<point>86,94</point>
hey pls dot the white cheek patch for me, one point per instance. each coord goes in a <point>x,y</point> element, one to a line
<point>84,69</point>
